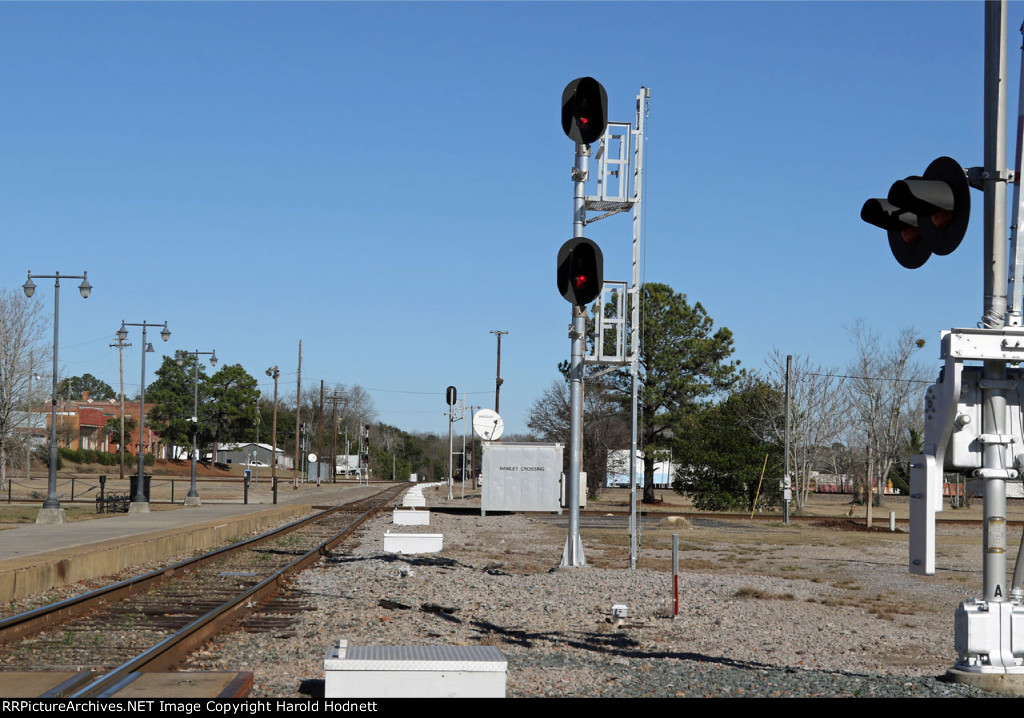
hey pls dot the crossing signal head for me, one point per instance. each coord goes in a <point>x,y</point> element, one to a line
<point>580,271</point>
<point>584,110</point>
<point>924,215</point>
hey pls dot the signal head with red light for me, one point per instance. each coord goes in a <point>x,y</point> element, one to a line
<point>580,271</point>
<point>584,110</point>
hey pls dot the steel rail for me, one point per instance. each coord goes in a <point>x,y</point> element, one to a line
<point>24,624</point>
<point>177,646</point>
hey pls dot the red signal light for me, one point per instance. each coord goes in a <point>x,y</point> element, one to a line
<point>580,271</point>
<point>584,110</point>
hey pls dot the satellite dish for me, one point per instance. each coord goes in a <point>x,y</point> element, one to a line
<point>488,425</point>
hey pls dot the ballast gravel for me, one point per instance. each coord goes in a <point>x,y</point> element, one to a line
<point>879,633</point>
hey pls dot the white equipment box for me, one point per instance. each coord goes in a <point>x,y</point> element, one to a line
<point>521,476</point>
<point>414,672</point>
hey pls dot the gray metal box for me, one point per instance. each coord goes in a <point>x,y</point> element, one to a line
<point>521,476</point>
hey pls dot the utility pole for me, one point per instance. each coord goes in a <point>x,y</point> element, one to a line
<point>334,397</point>
<point>498,381</point>
<point>320,438</point>
<point>787,482</point>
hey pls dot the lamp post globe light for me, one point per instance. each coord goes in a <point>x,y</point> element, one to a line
<point>140,502</point>
<point>51,512</point>
<point>179,356</point>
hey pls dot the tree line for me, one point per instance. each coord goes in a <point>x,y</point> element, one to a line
<point>722,426</point>
<point>231,409</point>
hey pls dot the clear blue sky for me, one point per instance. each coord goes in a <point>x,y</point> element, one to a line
<point>389,182</point>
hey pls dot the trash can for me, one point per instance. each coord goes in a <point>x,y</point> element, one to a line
<point>133,483</point>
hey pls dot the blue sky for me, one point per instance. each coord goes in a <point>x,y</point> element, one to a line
<point>389,182</point>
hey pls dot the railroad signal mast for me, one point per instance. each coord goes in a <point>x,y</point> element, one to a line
<point>364,454</point>
<point>972,412</point>
<point>451,397</point>
<point>580,271</point>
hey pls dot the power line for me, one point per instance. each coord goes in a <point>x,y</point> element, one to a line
<point>869,378</point>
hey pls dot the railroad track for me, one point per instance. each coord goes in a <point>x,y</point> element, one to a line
<point>152,622</point>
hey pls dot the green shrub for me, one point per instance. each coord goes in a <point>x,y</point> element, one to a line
<point>43,454</point>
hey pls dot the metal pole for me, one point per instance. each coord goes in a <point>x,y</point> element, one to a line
<point>273,461</point>
<point>464,428</point>
<point>28,443</point>
<point>140,504</point>
<point>193,491</point>
<point>472,449</point>
<point>334,439</point>
<point>320,438</point>
<point>994,404</point>
<point>675,575</point>
<point>1015,317</point>
<point>51,511</point>
<point>637,293</point>
<point>451,419</point>
<point>51,501</point>
<point>572,556</point>
<point>140,497</point>
<point>120,367</point>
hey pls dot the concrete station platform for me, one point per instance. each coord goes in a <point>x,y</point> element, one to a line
<point>38,557</point>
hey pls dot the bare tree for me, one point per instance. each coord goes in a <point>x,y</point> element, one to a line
<point>885,390</point>
<point>351,406</point>
<point>819,418</point>
<point>355,409</point>
<point>606,426</point>
<point>21,329</point>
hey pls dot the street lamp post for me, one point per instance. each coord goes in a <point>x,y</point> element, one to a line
<point>140,504</point>
<point>275,373</point>
<point>52,513</point>
<point>193,493</point>
<point>31,428</point>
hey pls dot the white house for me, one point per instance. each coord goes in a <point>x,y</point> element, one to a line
<point>618,470</point>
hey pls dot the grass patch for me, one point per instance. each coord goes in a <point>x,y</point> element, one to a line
<point>846,584</point>
<point>26,513</point>
<point>751,592</point>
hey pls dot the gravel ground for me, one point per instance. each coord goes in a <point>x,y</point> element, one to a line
<point>779,612</point>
